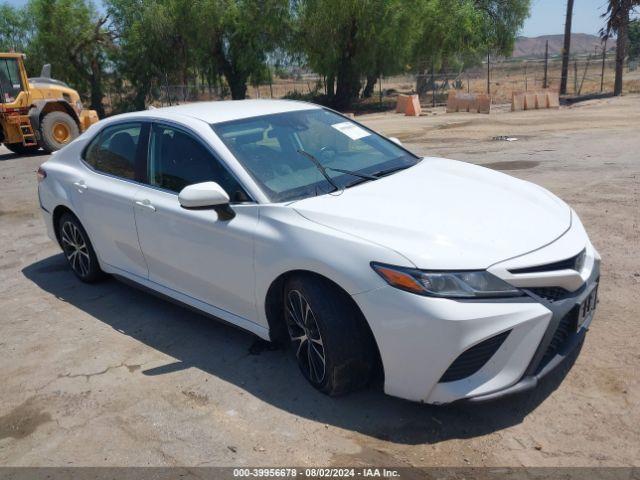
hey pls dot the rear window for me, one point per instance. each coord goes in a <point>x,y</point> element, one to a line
<point>114,150</point>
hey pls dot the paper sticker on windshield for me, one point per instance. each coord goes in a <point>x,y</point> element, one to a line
<point>351,130</point>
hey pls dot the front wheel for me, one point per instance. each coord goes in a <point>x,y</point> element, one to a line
<point>332,345</point>
<point>78,249</point>
<point>56,130</point>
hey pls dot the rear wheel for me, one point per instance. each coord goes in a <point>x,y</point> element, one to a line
<point>332,346</point>
<point>56,130</point>
<point>78,249</point>
<point>21,149</point>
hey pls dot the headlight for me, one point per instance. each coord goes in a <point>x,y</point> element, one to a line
<point>464,284</point>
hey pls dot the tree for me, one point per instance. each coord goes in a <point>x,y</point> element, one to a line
<point>459,31</point>
<point>15,29</point>
<point>448,34</point>
<point>72,36</point>
<point>240,35</point>
<point>346,40</point>
<point>154,45</point>
<point>617,17</point>
<point>165,41</point>
<point>634,39</point>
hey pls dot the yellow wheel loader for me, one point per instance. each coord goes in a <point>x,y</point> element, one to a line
<point>38,112</point>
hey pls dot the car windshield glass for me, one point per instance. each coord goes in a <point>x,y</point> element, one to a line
<point>10,84</point>
<point>272,148</point>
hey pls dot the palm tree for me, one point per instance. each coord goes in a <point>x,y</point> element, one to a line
<point>617,18</point>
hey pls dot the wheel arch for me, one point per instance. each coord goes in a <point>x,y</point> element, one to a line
<point>274,310</point>
<point>57,215</point>
<point>41,107</point>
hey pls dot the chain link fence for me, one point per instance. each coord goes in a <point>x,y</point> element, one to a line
<point>587,74</point>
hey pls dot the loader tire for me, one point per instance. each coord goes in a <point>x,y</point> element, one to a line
<point>56,130</point>
<point>20,149</point>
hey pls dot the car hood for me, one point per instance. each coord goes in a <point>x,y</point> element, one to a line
<point>445,214</point>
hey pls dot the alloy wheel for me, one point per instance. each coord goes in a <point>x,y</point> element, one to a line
<point>75,249</point>
<point>305,336</point>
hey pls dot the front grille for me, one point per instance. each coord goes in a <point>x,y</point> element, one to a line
<point>574,263</point>
<point>566,327</point>
<point>473,359</point>
<point>551,294</point>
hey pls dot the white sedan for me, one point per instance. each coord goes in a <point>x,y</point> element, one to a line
<point>298,224</point>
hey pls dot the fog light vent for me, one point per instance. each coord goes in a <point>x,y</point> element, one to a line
<point>473,359</point>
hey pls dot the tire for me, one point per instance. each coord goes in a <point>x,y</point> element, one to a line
<point>337,332</point>
<point>56,130</point>
<point>78,250</point>
<point>20,149</point>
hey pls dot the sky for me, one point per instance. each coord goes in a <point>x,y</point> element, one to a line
<point>547,16</point>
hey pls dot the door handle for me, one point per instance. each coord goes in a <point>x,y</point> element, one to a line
<point>145,204</point>
<point>80,186</point>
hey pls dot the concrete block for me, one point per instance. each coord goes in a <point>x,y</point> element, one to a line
<point>473,103</point>
<point>541,100</point>
<point>464,101</point>
<point>452,102</point>
<point>401,104</point>
<point>413,106</point>
<point>484,103</point>
<point>529,101</point>
<point>517,102</point>
<point>553,99</point>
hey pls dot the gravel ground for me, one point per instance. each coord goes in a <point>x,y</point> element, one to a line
<point>108,375</point>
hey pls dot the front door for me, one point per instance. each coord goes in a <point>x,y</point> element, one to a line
<point>195,252</point>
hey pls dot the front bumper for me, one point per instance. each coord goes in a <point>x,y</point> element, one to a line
<point>420,337</point>
<point>561,338</point>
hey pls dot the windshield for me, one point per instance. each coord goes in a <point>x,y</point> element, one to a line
<point>276,150</point>
<point>10,84</point>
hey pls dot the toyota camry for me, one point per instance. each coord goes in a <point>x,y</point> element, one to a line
<point>448,280</point>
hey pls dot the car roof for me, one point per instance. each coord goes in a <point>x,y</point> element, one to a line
<point>227,110</point>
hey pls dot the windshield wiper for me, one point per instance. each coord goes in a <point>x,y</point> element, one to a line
<point>323,170</point>
<point>389,171</point>
<point>320,168</point>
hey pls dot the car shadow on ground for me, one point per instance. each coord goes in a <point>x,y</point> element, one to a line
<point>199,342</point>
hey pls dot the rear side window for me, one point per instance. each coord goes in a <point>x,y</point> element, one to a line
<point>176,160</point>
<point>114,150</point>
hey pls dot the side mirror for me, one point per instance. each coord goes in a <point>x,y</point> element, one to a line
<point>202,195</point>
<point>395,140</point>
<point>207,195</point>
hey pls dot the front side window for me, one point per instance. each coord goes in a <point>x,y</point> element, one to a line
<point>275,150</point>
<point>114,150</point>
<point>10,82</point>
<point>176,160</point>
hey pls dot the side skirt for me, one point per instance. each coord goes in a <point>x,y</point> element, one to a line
<point>188,302</point>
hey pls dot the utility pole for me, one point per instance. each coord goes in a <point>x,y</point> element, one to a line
<point>604,58</point>
<point>488,72</point>
<point>566,48</point>
<point>545,83</point>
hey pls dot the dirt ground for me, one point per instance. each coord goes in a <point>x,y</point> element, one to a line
<point>108,375</point>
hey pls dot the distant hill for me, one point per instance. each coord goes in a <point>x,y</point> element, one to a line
<point>580,43</point>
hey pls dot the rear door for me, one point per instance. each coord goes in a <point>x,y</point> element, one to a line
<point>195,252</point>
<point>104,194</point>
